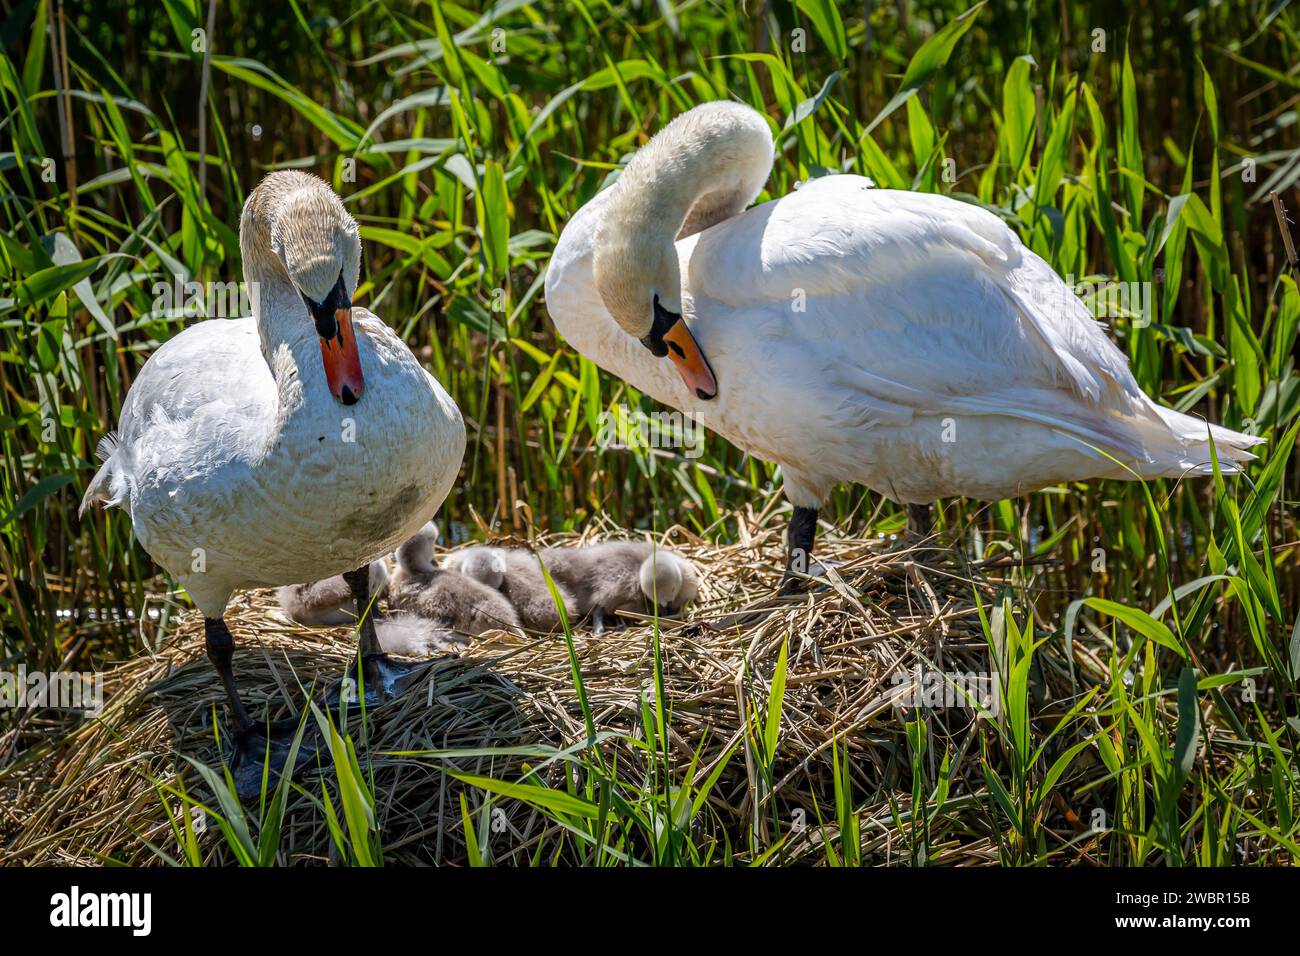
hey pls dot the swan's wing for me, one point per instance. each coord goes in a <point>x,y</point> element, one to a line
<point>203,396</point>
<point>915,303</point>
<point>207,368</point>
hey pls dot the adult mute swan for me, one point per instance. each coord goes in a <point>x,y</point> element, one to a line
<point>904,341</point>
<point>280,449</point>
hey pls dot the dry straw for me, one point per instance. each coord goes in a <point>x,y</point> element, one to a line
<point>855,642</point>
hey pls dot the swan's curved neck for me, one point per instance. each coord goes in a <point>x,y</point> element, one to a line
<point>289,343</point>
<point>705,166</point>
<point>282,317</point>
<point>274,297</point>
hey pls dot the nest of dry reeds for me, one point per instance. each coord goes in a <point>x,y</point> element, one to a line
<point>98,792</point>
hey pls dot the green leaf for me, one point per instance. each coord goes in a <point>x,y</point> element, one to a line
<point>1285,325</point>
<point>826,21</point>
<point>34,496</point>
<point>62,251</point>
<point>809,106</point>
<point>358,808</point>
<point>1293,649</point>
<point>1019,113</point>
<point>920,131</point>
<point>492,205</point>
<point>556,801</point>
<point>43,286</point>
<point>231,819</point>
<point>342,131</point>
<point>1138,621</point>
<point>775,702</point>
<point>34,64</point>
<point>1189,721</point>
<point>423,250</point>
<point>933,55</point>
<point>472,850</point>
<point>1051,165</point>
<point>1183,590</point>
<point>437,96</point>
<point>622,72</point>
<point>1129,147</point>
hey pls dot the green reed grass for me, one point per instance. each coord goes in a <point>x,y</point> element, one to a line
<point>462,136</point>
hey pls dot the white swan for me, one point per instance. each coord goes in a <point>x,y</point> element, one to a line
<point>285,448</point>
<point>904,341</point>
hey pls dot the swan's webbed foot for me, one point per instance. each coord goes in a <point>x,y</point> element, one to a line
<point>254,746</point>
<point>266,749</point>
<point>392,676</point>
<point>382,678</point>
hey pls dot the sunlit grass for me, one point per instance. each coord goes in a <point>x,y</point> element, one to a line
<point>463,140</point>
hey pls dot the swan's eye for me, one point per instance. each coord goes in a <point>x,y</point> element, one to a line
<point>663,321</point>
<point>324,314</point>
<point>326,326</point>
<point>657,349</point>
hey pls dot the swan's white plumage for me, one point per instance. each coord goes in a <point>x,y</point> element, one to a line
<point>238,467</point>
<point>906,341</point>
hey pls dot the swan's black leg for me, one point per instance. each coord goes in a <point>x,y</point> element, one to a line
<point>254,745</point>
<point>799,545</point>
<point>359,582</point>
<point>221,649</point>
<point>383,677</point>
<point>920,521</point>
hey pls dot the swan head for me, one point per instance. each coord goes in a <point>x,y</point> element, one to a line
<point>640,284</point>
<point>485,565</point>
<point>294,227</point>
<point>705,166</point>
<point>670,580</point>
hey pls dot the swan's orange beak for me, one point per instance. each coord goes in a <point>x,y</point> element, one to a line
<point>342,360</point>
<point>338,343</point>
<point>691,364</point>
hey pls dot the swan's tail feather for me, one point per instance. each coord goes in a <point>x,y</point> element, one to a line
<point>100,489</point>
<point>106,446</point>
<point>1191,453</point>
